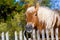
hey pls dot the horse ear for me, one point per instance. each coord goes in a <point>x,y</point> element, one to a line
<point>37,6</point>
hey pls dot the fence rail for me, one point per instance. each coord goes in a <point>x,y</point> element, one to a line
<point>5,36</point>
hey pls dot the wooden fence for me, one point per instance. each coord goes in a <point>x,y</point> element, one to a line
<point>5,36</point>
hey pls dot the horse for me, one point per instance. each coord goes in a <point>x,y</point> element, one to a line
<point>41,18</point>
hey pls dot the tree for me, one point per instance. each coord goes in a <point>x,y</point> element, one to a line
<point>46,3</point>
<point>12,15</point>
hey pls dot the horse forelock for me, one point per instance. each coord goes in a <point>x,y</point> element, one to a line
<point>31,9</point>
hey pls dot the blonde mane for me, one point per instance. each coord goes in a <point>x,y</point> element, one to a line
<point>48,16</point>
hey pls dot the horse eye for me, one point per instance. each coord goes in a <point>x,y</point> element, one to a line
<point>35,14</point>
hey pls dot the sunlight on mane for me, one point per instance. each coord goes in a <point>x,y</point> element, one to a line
<point>31,9</point>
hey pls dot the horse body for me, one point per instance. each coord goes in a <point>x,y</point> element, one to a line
<point>43,18</point>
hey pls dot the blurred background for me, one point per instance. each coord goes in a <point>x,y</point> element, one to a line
<point>12,13</point>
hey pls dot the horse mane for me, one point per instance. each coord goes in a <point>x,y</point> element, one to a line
<point>44,13</point>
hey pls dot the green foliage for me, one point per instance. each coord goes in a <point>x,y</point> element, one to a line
<point>31,2</point>
<point>43,2</point>
<point>11,17</point>
<point>46,3</point>
<point>7,9</point>
<point>3,27</point>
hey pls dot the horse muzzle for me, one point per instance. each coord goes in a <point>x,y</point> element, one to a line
<point>28,31</point>
<point>29,28</point>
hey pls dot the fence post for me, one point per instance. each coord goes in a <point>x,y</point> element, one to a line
<point>20,35</point>
<point>7,37</point>
<point>16,38</point>
<point>2,36</point>
<point>56,33</point>
<point>29,39</point>
<point>47,34</point>
<point>52,34</point>
<point>33,33</point>
<point>38,35</point>
<point>24,36</point>
<point>43,38</point>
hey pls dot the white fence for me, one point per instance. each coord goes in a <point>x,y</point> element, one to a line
<point>35,37</point>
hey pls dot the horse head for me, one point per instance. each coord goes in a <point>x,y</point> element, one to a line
<point>31,18</point>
